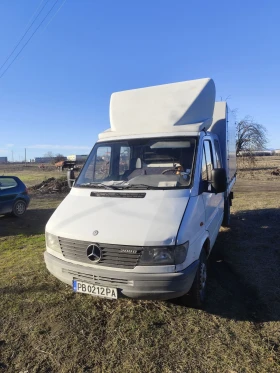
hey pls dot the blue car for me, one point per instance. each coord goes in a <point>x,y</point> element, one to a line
<point>14,197</point>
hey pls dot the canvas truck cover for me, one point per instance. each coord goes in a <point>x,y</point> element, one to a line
<point>178,107</point>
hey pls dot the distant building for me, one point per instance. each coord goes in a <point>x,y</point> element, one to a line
<point>77,158</point>
<point>3,159</point>
<point>44,159</point>
<point>258,153</point>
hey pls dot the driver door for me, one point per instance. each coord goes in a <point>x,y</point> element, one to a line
<point>213,203</point>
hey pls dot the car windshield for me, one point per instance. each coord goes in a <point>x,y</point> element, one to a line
<point>140,164</point>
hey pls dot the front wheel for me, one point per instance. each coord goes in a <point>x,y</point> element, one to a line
<point>19,208</point>
<point>196,296</point>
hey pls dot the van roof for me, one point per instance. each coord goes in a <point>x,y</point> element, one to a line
<point>170,108</point>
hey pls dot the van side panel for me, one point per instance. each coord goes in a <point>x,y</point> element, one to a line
<point>193,229</point>
<point>224,127</point>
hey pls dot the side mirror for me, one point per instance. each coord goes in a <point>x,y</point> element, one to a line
<point>70,178</point>
<point>219,180</point>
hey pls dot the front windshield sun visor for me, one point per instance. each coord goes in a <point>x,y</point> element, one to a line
<point>140,164</point>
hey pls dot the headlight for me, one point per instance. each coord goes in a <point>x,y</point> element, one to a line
<point>181,253</point>
<point>52,242</point>
<point>157,256</point>
<point>164,255</point>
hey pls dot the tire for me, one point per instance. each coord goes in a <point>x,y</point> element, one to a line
<point>19,208</point>
<point>226,219</point>
<point>196,296</point>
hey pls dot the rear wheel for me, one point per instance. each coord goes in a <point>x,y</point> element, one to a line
<point>19,208</point>
<point>196,296</point>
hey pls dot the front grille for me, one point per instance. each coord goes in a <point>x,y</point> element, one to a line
<point>112,255</point>
<point>98,280</point>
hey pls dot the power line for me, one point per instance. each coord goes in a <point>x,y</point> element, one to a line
<point>18,43</point>
<point>30,19</point>
<point>28,39</point>
<point>55,14</point>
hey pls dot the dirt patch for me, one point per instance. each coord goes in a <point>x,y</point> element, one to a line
<point>276,172</point>
<point>50,186</point>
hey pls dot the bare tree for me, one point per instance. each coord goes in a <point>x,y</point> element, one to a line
<point>48,154</point>
<point>59,157</point>
<point>250,136</point>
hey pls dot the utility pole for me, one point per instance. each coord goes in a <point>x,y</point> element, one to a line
<point>25,155</point>
<point>12,156</point>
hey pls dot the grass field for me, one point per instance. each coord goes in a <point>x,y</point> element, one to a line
<point>45,327</point>
<point>30,174</point>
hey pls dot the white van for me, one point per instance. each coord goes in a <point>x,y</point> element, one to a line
<point>144,213</point>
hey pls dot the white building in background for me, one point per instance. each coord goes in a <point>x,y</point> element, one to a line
<point>77,158</point>
<point>258,153</point>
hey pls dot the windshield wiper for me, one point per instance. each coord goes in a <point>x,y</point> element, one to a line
<point>98,185</point>
<point>137,186</point>
<point>118,186</point>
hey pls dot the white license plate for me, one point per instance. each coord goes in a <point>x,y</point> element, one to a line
<point>100,291</point>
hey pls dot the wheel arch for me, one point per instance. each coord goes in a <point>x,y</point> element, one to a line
<point>206,247</point>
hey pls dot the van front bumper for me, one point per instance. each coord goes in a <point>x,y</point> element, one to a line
<point>129,284</point>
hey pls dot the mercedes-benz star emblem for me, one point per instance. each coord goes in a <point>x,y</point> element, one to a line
<point>94,253</point>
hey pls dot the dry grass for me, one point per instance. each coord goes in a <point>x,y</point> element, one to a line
<point>45,327</point>
<point>259,168</point>
<point>31,174</point>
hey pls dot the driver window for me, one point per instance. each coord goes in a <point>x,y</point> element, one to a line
<point>217,154</point>
<point>124,159</point>
<point>207,161</point>
<point>102,163</point>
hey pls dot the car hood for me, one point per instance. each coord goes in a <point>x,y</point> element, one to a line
<point>152,220</point>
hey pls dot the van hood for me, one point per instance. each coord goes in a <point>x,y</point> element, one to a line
<point>149,221</point>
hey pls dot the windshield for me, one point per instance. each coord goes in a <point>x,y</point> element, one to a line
<point>140,163</point>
